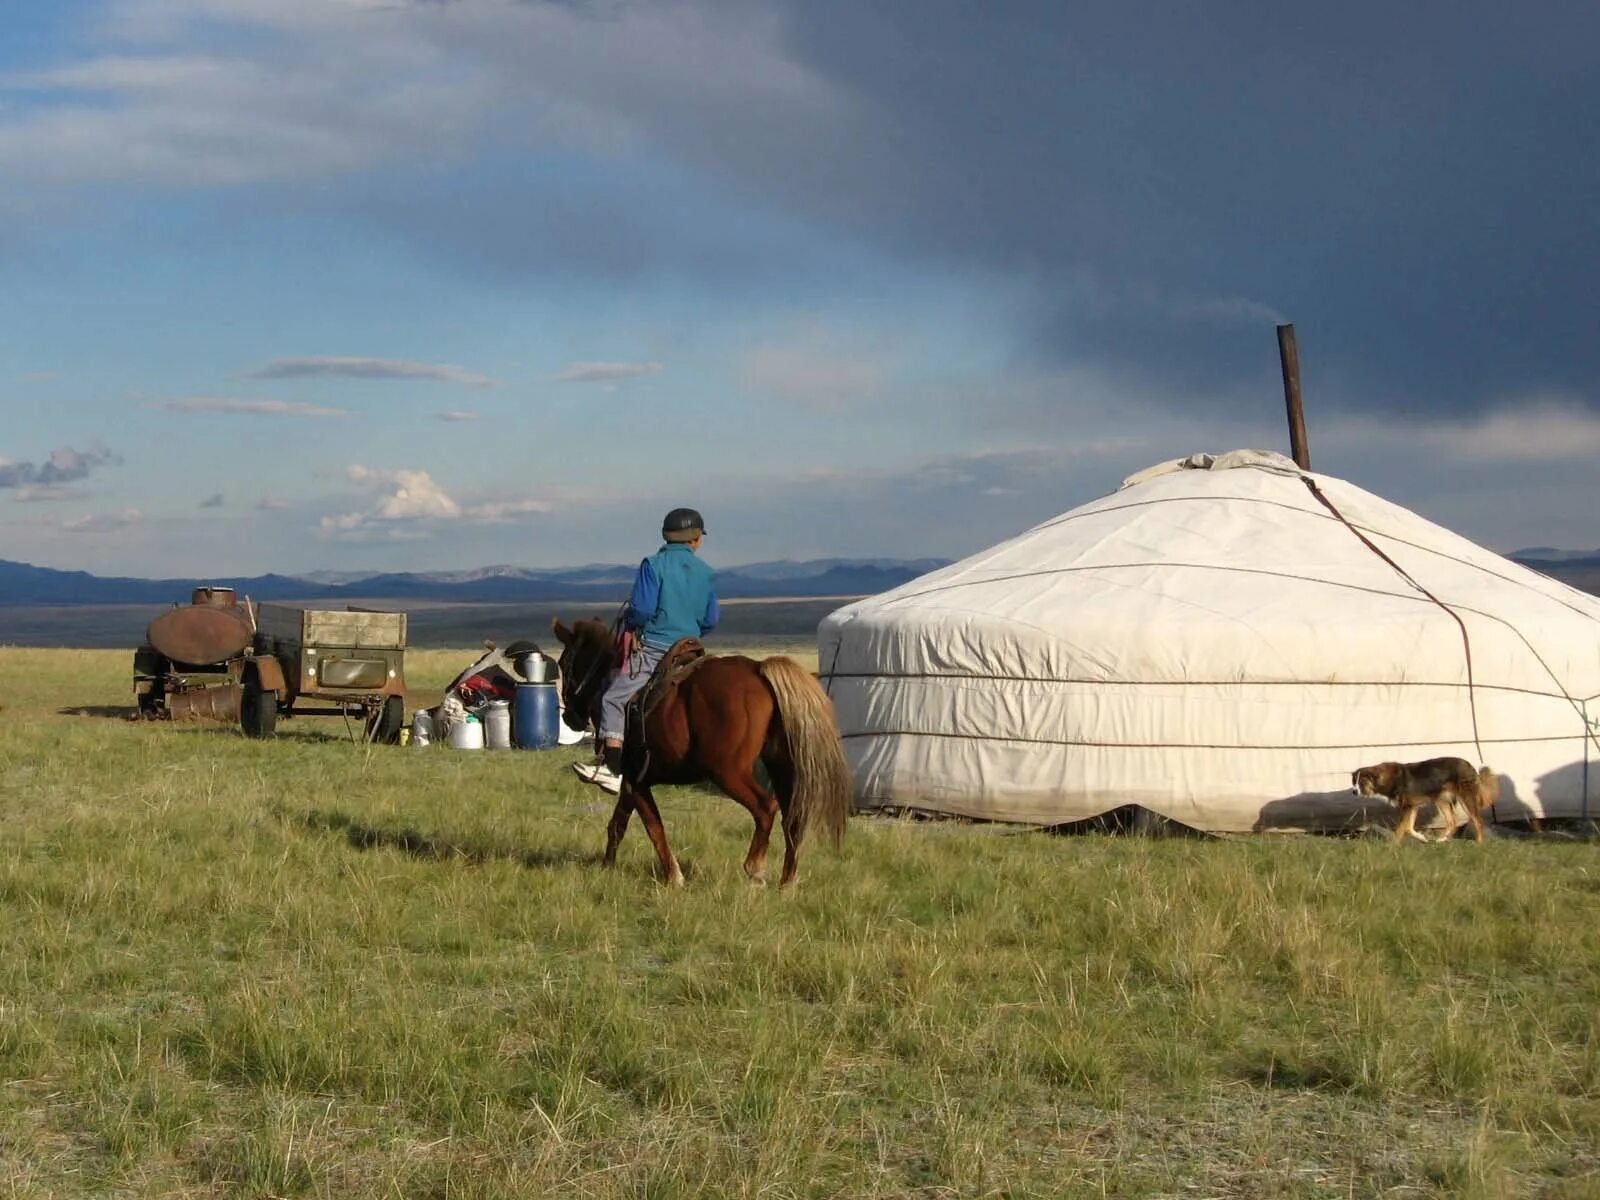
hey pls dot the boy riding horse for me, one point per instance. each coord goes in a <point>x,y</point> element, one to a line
<point>674,596</point>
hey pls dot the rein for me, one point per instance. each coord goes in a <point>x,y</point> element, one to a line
<point>598,667</point>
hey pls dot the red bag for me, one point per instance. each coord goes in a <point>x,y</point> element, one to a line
<point>493,684</point>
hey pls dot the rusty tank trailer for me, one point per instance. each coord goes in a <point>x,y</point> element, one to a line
<point>221,659</point>
<point>192,664</point>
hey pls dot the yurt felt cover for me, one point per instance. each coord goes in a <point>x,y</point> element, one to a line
<point>1222,641</point>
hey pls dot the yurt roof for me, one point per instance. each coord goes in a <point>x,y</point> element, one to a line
<point>1241,563</point>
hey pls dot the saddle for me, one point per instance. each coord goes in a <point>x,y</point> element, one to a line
<point>676,665</point>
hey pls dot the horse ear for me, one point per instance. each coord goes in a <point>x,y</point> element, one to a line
<point>563,634</point>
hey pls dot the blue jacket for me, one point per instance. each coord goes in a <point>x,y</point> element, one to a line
<point>674,596</point>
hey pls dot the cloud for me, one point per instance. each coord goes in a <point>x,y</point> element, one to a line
<point>495,511</point>
<point>1138,196</point>
<point>410,494</point>
<point>103,522</point>
<point>269,408</point>
<point>273,504</point>
<point>65,465</point>
<point>411,506</point>
<point>814,373</point>
<point>1536,429</point>
<point>215,500</point>
<point>1542,430</point>
<point>32,494</point>
<point>456,416</point>
<point>368,368</point>
<point>309,90</point>
<point>361,527</point>
<point>229,117</point>
<point>1011,471</point>
<point>607,372</point>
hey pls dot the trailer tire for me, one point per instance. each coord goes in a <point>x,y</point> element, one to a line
<point>384,729</point>
<point>258,708</point>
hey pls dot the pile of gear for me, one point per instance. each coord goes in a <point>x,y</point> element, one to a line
<point>507,698</point>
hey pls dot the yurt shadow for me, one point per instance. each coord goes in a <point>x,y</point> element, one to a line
<point>1568,794</point>
<point>1130,820</point>
<point>1340,812</point>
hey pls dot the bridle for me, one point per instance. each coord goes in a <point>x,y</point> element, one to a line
<point>596,669</point>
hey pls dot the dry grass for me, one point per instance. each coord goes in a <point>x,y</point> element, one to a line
<point>311,968</point>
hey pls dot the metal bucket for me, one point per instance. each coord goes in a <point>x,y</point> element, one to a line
<point>496,717</point>
<point>422,728</point>
<point>534,667</point>
<point>468,734</point>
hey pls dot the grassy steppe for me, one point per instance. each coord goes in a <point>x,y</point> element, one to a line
<point>310,968</point>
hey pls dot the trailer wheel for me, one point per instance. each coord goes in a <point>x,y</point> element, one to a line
<point>258,708</point>
<point>384,728</point>
<point>152,704</point>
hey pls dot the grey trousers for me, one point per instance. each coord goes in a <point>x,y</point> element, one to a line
<point>625,684</point>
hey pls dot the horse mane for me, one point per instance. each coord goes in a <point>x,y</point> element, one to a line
<point>594,631</point>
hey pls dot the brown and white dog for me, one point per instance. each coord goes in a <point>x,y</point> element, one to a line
<point>1438,781</point>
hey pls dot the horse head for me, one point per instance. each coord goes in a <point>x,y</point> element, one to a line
<point>588,651</point>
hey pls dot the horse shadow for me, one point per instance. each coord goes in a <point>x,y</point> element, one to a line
<point>427,847</point>
<point>120,712</point>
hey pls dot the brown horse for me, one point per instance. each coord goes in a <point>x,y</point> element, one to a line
<point>714,725</point>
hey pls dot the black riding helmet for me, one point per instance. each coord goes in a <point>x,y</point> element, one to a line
<point>682,525</point>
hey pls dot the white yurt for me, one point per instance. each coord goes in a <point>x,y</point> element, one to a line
<point>1221,641</point>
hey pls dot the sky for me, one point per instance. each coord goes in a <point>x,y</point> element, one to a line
<point>290,285</point>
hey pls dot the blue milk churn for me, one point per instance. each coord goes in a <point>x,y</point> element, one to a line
<point>536,716</point>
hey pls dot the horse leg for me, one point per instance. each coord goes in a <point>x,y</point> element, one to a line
<point>651,816</point>
<point>741,786</point>
<point>782,772</point>
<point>618,826</point>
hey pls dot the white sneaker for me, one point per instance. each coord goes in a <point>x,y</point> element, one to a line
<point>586,771</point>
<point>607,780</point>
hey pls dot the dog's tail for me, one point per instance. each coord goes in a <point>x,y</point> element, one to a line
<point>1488,787</point>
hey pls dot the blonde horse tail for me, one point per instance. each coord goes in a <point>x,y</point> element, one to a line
<point>823,787</point>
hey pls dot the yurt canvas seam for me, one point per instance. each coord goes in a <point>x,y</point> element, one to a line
<point>1090,681</point>
<point>1163,565</point>
<point>1033,741</point>
<point>1354,525</point>
<point>1466,639</point>
<point>1425,597</point>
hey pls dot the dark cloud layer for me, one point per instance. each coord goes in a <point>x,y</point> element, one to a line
<point>1159,184</point>
<point>1411,185</point>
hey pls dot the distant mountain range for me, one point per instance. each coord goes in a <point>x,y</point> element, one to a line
<point>1539,557</point>
<point>1576,568</point>
<point>24,584</point>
